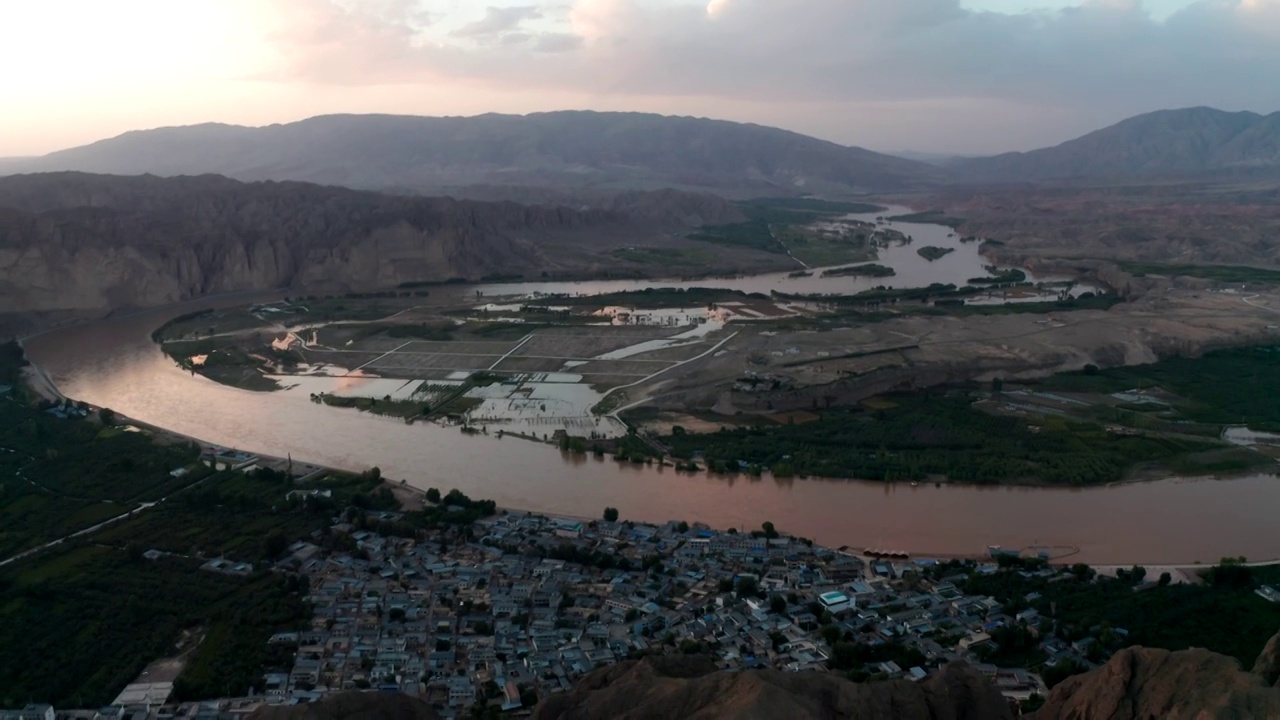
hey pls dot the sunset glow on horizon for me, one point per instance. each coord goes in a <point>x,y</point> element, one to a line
<point>941,75</point>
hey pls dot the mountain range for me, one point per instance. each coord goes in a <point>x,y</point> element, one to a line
<point>1167,144</point>
<point>570,157</point>
<point>446,155</point>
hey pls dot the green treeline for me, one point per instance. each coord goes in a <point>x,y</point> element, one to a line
<point>933,433</point>
<point>764,215</point>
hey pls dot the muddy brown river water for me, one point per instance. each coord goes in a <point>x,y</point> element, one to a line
<point>113,363</point>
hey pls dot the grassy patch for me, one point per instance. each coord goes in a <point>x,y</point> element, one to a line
<point>1231,274</point>
<point>662,256</point>
<point>655,298</point>
<point>1234,386</point>
<point>768,216</point>
<point>1001,277</point>
<point>931,217</point>
<point>814,206</point>
<point>871,270</point>
<point>223,362</point>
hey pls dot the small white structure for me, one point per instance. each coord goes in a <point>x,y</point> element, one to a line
<point>835,602</point>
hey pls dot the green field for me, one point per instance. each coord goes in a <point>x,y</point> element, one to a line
<point>872,270</point>
<point>768,216</point>
<point>1235,386</point>
<point>663,256</point>
<point>932,217</point>
<point>67,475</point>
<point>80,620</point>
<point>1230,274</point>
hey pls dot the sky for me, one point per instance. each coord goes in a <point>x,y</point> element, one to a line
<point>954,76</point>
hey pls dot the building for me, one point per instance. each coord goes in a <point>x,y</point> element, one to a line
<point>30,712</point>
<point>835,602</point>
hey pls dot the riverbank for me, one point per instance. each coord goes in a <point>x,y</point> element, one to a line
<point>527,484</point>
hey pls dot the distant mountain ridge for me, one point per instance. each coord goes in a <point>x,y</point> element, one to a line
<point>1166,143</point>
<point>569,150</point>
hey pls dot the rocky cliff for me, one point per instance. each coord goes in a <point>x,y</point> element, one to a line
<point>690,687</point>
<point>73,242</point>
<point>1142,683</point>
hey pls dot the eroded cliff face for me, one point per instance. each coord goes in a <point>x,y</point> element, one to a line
<point>1142,683</point>
<point>73,242</point>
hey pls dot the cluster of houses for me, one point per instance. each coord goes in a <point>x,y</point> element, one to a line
<point>532,604</point>
<point>527,605</point>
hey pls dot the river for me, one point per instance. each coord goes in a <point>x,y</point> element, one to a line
<point>113,363</point>
<point>911,270</point>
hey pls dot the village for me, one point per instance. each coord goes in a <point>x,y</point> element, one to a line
<point>528,604</point>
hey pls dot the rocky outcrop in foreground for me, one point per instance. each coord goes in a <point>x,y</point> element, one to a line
<point>690,687</point>
<point>1146,684</point>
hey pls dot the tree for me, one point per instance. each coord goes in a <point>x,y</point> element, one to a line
<point>778,604</point>
<point>831,634</point>
<point>1165,579</point>
<point>769,531</point>
<point>747,587</point>
<point>1137,574</point>
<point>683,527</point>
<point>433,496</point>
<point>107,416</point>
<point>997,385</point>
<point>1232,573</point>
<point>611,514</point>
<point>276,544</point>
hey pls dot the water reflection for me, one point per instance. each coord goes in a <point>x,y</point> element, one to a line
<point>113,363</point>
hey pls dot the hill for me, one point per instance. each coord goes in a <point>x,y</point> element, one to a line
<point>76,244</point>
<point>1139,683</point>
<point>1168,143</point>
<point>691,687</point>
<point>73,242</point>
<point>568,150</point>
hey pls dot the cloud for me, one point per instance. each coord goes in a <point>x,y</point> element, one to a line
<point>1101,58</point>
<point>498,20</point>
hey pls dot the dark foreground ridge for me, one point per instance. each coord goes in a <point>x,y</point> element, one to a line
<point>1139,683</point>
<point>1136,684</point>
<point>690,687</point>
